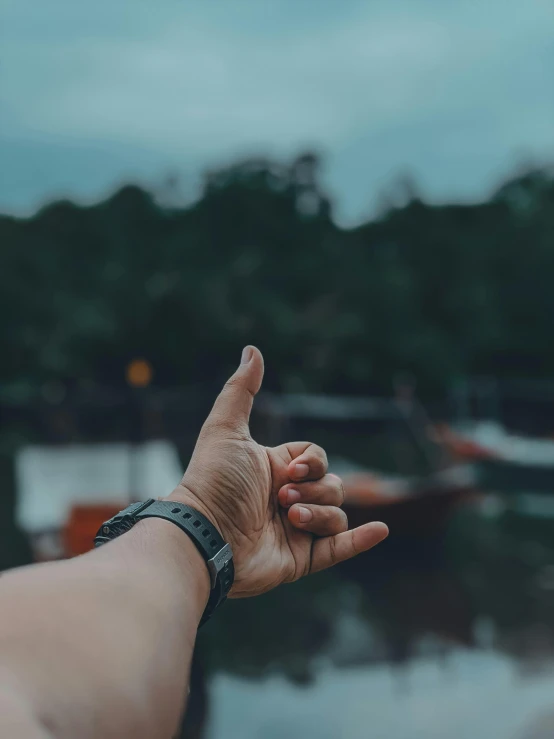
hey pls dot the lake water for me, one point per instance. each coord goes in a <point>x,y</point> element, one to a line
<point>425,638</point>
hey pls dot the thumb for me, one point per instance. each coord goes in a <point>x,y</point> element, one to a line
<point>233,405</point>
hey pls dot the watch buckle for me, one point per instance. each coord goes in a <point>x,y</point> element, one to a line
<point>218,562</point>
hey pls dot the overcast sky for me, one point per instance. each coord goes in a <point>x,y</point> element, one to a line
<point>455,92</point>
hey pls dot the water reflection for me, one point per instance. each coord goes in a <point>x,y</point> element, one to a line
<point>478,597</point>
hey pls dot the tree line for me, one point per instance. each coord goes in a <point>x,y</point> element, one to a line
<point>439,292</point>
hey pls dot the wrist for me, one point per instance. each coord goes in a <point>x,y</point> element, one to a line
<point>173,554</point>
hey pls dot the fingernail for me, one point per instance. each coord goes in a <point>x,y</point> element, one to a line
<point>301,470</point>
<point>246,355</point>
<point>293,496</point>
<point>305,514</point>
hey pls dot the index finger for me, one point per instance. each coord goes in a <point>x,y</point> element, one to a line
<point>331,550</point>
<point>309,461</point>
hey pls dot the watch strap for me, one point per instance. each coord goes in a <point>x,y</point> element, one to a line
<point>214,550</point>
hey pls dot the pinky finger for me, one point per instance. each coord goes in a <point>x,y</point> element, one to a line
<point>334,549</point>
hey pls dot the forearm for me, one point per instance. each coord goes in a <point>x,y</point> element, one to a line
<point>101,645</point>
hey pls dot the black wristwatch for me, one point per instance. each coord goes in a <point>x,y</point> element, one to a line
<point>207,539</point>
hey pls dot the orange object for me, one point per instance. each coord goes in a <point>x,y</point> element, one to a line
<point>139,373</point>
<point>461,447</point>
<point>83,523</point>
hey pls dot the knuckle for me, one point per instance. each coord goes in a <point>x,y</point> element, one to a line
<point>235,387</point>
<point>333,520</point>
<point>322,455</point>
<point>333,514</point>
<point>232,383</point>
<point>327,514</point>
<point>338,487</point>
<point>339,491</point>
<point>333,490</point>
<point>319,456</point>
<point>342,519</point>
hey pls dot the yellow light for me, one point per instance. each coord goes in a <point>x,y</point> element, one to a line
<point>139,373</point>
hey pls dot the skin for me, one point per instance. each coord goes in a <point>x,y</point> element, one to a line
<point>100,646</point>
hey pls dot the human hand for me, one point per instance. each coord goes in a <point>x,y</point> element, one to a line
<point>277,507</point>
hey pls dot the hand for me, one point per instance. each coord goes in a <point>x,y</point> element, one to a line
<point>277,507</point>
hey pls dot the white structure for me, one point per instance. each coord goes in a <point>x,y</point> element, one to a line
<point>509,447</point>
<point>52,479</point>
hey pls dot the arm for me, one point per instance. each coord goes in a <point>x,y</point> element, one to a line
<point>100,646</point>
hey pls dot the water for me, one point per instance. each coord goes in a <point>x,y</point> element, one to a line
<point>444,636</point>
<point>473,694</point>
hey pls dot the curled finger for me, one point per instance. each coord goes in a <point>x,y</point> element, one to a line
<point>322,520</point>
<point>309,461</point>
<point>326,491</point>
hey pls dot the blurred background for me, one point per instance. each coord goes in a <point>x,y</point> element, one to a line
<point>366,192</point>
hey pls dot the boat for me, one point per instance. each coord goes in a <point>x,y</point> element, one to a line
<point>503,461</point>
<point>414,506</point>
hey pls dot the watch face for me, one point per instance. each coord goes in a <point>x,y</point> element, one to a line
<point>120,527</point>
<point>113,528</point>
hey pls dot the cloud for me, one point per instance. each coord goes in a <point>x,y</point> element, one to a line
<point>202,83</point>
<point>202,88</point>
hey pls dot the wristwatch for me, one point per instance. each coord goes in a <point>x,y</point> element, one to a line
<point>216,553</point>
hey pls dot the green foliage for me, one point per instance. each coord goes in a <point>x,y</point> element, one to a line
<point>439,292</point>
